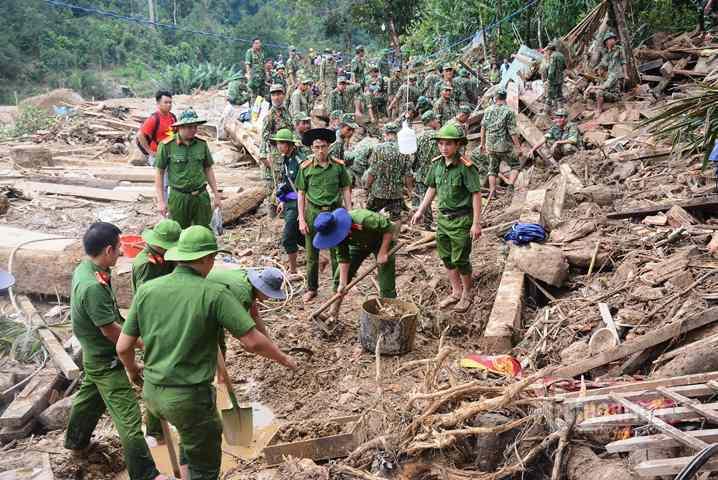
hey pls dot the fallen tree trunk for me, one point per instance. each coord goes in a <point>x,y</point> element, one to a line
<point>242,203</point>
<point>241,136</point>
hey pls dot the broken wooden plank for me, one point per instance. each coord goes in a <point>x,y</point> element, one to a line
<point>691,403</point>
<point>531,134</point>
<point>659,441</point>
<point>534,208</point>
<point>670,466</point>
<point>78,191</point>
<point>30,156</point>
<point>650,65</point>
<point>659,424</point>
<point>32,400</point>
<point>670,414</point>
<point>678,217</point>
<point>638,344</point>
<point>712,340</point>
<point>505,318</point>
<point>705,203</point>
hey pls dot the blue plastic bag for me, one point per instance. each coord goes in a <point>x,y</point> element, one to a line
<point>523,233</point>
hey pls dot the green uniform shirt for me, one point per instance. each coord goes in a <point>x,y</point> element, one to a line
<point>185,163</point>
<point>93,305</point>
<point>299,102</point>
<point>277,118</point>
<point>341,101</point>
<point>499,123</point>
<point>569,132</point>
<point>290,165</point>
<point>427,86</point>
<point>237,282</point>
<point>358,69</point>
<point>367,231</point>
<point>454,183</point>
<point>338,148</point>
<point>148,265</point>
<point>445,110</point>
<point>407,91</point>
<point>427,149</point>
<point>181,341</point>
<point>389,169</point>
<point>323,185</point>
<point>255,62</point>
<point>555,69</point>
<point>613,62</point>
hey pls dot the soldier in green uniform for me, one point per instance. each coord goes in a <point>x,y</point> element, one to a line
<point>339,98</point>
<point>310,65</point>
<point>358,66</point>
<point>423,105</point>
<point>499,140</point>
<point>457,183</point>
<point>279,76</point>
<point>96,322</point>
<point>254,69</point>
<point>613,62</point>
<point>328,73</point>
<point>334,118</point>
<point>188,163</point>
<point>426,151</point>
<point>461,118</point>
<point>447,78</point>
<point>393,84</point>
<point>563,138</point>
<point>347,127</point>
<point>377,91</point>
<point>294,63</point>
<point>470,85</point>
<point>181,346</point>
<point>389,172</point>
<point>237,94</point>
<point>445,107</point>
<point>301,99</point>
<point>290,159</point>
<point>150,263</point>
<point>556,65</point>
<point>323,185</point>
<point>407,93</point>
<point>429,83</point>
<point>277,118</point>
<point>356,235</point>
<point>302,124</point>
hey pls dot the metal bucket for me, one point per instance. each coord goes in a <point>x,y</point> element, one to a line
<point>397,332</point>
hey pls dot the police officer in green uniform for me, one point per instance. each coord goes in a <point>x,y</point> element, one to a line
<point>96,322</point>
<point>277,118</point>
<point>499,139</point>
<point>188,163</point>
<point>427,151</point>
<point>181,348</point>
<point>254,68</point>
<point>389,172</point>
<point>323,185</point>
<point>347,127</point>
<point>456,182</point>
<point>356,235</point>
<point>563,138</point>
<point>291,158</point>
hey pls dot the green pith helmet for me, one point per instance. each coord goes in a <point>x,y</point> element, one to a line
<point>194,243</point>
<point>391,127</point>
<point>283,135</point>
<point>164,235</point>
<point>188,117</point>
<point>450,132</point>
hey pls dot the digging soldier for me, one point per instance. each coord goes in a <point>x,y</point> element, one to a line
<point>461,118</point>
<point>613,62</point>
<point>556,65</point>
<point>277,118</point>
<point>188,163</point>
<point>563,138</point>
<point>323,185</point>
<point>445,107</point>
<point>254,69</point>
<point>389,172</point>
<point>96,322</point>
<point>456,183</point>
<point>181,347</point>
<point>499,140</point>
<point>356,235</point>
<point>427,150</point>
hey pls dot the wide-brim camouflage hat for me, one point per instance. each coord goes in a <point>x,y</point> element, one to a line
<point>188,117</point>
<point>349,120</point>
<point>391,127</point>
<point>302,117</point>
<point>325,134</point>
<point>450,132</point>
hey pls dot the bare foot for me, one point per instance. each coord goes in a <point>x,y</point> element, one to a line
<point>309,296</point>
<point>449,300</point>
<point>463,305</point>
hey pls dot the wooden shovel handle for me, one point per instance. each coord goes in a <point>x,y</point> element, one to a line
<point>222,367</point>
<point>356,280</point>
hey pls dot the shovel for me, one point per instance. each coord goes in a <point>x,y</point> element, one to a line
<point>170,448</point>
<point>237,422</point>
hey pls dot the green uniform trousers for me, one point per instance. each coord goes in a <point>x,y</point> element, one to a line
<point>387,272</point>
<point>419,194</point>
<point>495,159</point>
<point>291,236</point>
<point>311,212</point>
<point>110,390</point>
<point>554,94</point>
<point>192,410</point>
<point>453,242</point>
<point>187,209</point>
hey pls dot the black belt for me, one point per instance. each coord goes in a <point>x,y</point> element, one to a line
<point>194,193</point>
<point>452,213</point>
<point>323,208</point>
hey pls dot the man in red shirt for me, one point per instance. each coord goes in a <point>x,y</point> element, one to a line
<point>158,126</point>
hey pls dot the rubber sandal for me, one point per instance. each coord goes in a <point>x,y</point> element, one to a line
<point>462,306</point>
<point>448,301</point>
<point>309,296</point>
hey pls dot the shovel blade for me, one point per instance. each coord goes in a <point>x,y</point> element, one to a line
<point>238,426</point>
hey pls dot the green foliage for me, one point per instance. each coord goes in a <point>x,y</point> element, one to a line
<point>185,77</point>
<point>18,341</point>
<point>30,119</point>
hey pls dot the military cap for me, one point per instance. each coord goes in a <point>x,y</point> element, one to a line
<point>418,62</point>
<point>373,68</point>
<point>607,35</point>
<point>359,48</point>
<point>447,86</point>
<point>305,80</point>
<point>335,114</point>
<point>302,117</point>
<point>447,66</point>
<point>278,66</point>
<point>428,116</point>
<point>463,72</point>
<point>561,112</point>
<point>464,108</point>
<point>342,80</point>
<point>292,48</point>
<point>450,132</point>
<point>348,120</point>
<point>500,94</point>
<point>412,76</point>
<point>423,101</point>
<point>276,87</point>
<point>391,127</point>
<point>327,50</point>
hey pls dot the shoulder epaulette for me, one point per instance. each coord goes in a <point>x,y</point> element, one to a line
<point>306,163</point>
<point>338,161</point>
<point>167,140</point>
<point>436,158</point>
<point>467,161</point>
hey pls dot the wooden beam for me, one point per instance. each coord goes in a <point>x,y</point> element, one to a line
<point>638,344</point>
<point>670,466</point>
<point>651,442</point>
<point>699,390</point>
<point>691,403</point>
<point>32,400</point>
<point>78,191</point>
<point>671,414</point>
<point>656,422</point>
<point>710,203</point>
<point>57,353</point>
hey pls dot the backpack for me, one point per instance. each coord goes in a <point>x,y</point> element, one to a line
<point>156,116</point>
